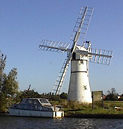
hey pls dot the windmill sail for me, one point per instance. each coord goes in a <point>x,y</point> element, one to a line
<point>84,18</point>
<point>54,46</point>
<point>79,55</point>
<point>62,73</point>
<point>100,56</point>
<point>84,13</point>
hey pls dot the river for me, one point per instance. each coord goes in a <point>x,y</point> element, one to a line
<point>65,123</point>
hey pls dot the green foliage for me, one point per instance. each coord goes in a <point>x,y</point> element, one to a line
<point>29,94</point>
<point>78,109</point>
<point>72,108</point>
<point>112,104</point>
<point>8,87</point>
<point>63,95</point>
<point>51,96</point>
<point>112,95</point>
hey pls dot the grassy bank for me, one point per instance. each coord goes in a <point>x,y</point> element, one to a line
<point>74,108</point>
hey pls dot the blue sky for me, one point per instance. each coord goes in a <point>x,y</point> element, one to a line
<point>24,23</point>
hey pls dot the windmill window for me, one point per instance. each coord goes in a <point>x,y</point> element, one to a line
<point>74,56</point>
<point>82,62</point>
<point>85,87</point>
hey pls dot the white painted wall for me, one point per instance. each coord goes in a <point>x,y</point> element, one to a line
<point>79,88</point>
<point>19,112</point>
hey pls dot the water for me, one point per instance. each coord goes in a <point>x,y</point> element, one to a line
<point>65,123</point>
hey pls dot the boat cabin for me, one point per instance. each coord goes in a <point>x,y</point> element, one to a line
<point>40,107</point>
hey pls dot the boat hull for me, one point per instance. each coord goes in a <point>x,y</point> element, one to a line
<point>32,113</point>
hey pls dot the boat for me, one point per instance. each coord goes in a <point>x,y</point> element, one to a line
<point>36,107</point>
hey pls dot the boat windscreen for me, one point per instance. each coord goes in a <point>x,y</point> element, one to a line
<point>44,101</point>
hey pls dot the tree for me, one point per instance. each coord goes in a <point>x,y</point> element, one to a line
<point>8,86</point>
<point>50,96</point>
<point>112,95</point>
<point>63,95</point>
<point>29,94</point>
<point>2,66</point>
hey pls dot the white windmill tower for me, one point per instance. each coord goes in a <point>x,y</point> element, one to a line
<point>79,56</point>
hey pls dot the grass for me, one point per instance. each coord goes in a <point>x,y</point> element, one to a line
<point>74,108</point>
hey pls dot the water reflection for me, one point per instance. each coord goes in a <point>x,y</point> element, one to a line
<point>66,123</point>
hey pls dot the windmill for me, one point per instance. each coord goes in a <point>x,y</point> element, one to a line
<point>79,56</point>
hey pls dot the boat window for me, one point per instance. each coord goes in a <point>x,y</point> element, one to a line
<point>44,101</point>
<point>36,107</point>
<point>30,101</point>
<point>35,102</point>
<point>40,108</point>
<point>23,101</point>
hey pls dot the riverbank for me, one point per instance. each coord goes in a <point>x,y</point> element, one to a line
<point>4,114</point>
<point>100,116</point>
<point>75,110</point>
<point>74,115</point>
<point>96,113</point>
<point>97,116</point>
<point>109,109</point>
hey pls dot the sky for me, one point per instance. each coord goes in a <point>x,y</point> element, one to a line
<point>24,23</point>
